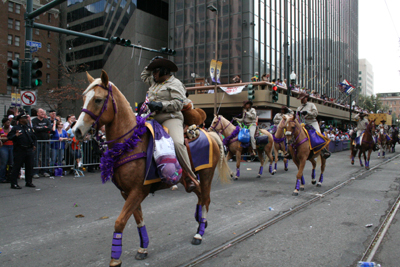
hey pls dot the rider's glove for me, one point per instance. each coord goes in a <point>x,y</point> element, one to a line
<point>155,106</point>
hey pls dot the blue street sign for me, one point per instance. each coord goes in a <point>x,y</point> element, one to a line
<point>34,44</point>
<point>34,49</point>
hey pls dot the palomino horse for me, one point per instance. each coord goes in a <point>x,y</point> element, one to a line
<point>230,131</point>
<point>299,148</point>
<point>105,105</point>
<point>367,144</point>
<point>384,144</point>
<point>279,144</point>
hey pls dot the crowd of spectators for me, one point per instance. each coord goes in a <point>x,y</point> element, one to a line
<point>55,147</point>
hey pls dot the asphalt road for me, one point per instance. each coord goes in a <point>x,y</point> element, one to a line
<point>39,227</point>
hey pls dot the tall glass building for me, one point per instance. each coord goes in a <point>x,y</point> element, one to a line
<point>322,40</point>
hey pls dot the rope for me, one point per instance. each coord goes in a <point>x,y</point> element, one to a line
<point>220,103</point>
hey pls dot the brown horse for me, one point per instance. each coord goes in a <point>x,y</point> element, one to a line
<point>299,149</point>
<point>105,105</point>
<point>367,144</point>
<point>384,144</point>
<point>279,144</point>
<point>230,131</point>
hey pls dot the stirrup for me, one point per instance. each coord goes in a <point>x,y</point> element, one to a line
<point>190,183</point>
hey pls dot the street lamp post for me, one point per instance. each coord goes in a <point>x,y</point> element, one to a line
<point>212,8</point>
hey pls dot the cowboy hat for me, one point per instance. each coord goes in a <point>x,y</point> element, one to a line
<point>162,63</point>
<point>21,115</point>
<point>383,121</point>
<point>302,95</point>
<point>247,102</point>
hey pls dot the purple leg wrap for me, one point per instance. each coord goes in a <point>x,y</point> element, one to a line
<point>144,238</point>
<point>286,164</point>
<point>302,180</point>
<point>276,165</point>
<point>321,178</point>
<point>352,158</point>
<point>361,162</point>
<point>238,172</point>
<point>313,174</point>
<point>202,226</point>
<point>261,170</point>
<point>298,184</point>
<point>366,163</point>
<point>116,248</point>
<point>198,214</point>
<point>379,153</point>
<point>383,153</point>
<point>270,168</point>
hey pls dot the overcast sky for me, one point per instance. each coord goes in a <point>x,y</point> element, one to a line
<point>379,42</point>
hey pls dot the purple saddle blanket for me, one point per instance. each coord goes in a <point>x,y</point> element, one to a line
<point>316,140</point>
<point>200,148</point>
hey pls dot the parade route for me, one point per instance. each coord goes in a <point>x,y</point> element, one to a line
<point>39,227</point>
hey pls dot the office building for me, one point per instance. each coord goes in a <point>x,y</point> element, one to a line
<point>365,77</point>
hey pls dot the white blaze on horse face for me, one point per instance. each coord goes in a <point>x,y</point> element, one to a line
<point>80,123</point>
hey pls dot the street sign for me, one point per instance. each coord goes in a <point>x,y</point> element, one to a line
<point>34,49</point>
<point>34,44</point>
<point>28,98</point>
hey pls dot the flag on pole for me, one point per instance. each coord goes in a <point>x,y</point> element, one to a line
<point>345,87</point>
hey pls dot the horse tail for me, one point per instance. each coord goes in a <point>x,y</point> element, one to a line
<point>223,168</point>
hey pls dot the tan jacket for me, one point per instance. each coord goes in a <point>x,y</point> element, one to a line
<point>249,117</point>
<point>312,112</point>
<point>170,93</point>
<point>278,116</point>
<point>361,124</point>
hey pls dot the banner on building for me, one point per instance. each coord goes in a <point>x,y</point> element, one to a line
<point>219,66</point>
<point>213,66</point>
<point>233,90</point>
<point>18,100</point>
<point>13,99</point>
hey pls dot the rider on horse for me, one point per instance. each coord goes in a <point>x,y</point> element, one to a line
<point>249,119</point>
<point>308,113</point>
<point>362,123</point>
<point>385,128</point>
<point>278,116</point>
<point>166,97</point>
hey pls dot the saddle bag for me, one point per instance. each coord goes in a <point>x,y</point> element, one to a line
<point>168,166</point>
<point>262,140</point>
<point>244,135</point>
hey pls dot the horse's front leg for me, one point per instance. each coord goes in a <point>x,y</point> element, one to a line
<point>132,202</point>
<point>261,158</point>
<point>321,177</point>
<point>299,176</point>
<point>367,160</point>
<point>359,157</point>
<point>314,164</point>
<point>238,159</point>
<point>228,157</point>
<point>144,238</point>
<point>268,151</point>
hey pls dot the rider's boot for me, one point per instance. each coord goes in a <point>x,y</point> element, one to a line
<point>190,183</point>
<point>325,153</point>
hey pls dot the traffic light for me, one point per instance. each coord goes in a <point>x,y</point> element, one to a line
<point>13,72</point>
<point>120,41</point>
<point>250,92</point>
<point>275,94</point>
<point>36,73</point>
<point>167,51</point>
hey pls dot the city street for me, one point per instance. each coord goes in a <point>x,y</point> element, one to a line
<point>39,226</point>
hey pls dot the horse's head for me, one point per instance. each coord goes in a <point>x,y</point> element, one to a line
<point>290,127</point>
<point>216,124</point>
<point>97,109</point>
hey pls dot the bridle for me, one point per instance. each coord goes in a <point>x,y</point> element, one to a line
<point>95,117</point>
<point>294,143</point>
<point>222,126</point>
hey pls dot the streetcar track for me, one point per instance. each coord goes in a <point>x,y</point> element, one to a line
<point>253,231</point>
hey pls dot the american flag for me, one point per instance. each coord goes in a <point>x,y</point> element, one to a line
<point>144,108</point>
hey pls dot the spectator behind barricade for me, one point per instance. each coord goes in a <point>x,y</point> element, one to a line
<point>70,119</point>
<point>237,79</point>
<point>76,152</point>
<point>255,78</point>
<point>264,78</point>
<point>59,137</point>
<point>69,158</point>
<point>6,150</point>
<point>42,128</point>
<point>52,116</point>
<point>284,83</point>
<point>273,81</point>
<point>91,152</point>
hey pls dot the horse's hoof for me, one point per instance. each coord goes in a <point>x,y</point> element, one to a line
<point>379,157</point>
<point>319,184</point>
<point>295,194</point>
<point>367,168</point>
<point>301,188</point>
<point>361,165</point>
<point>352,162</point>
<point>236,178</point>
<point>259,176</point>
<point>196,241</point>
<point>313,181</point>
<point>141,256</point>
<point>115,263</point>
<point>286,169</point>
<point>273,172</point>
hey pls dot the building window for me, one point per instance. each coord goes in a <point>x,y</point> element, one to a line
<point>9,56</point>
<point>10,7</point>
<point>49,17</point>
<point>16,55</point>
<point>16,41</point>
<point>47,78</point>
<point>10,23</point>
<point>48,63</point>
<point>10,37</point>
<point>18,8</point>
<point>37,31</point>
<point>17,25</point>
<point>48,34</point>
<point>48,47</point>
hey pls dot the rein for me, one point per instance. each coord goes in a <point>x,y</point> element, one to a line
<point>295,145</point>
